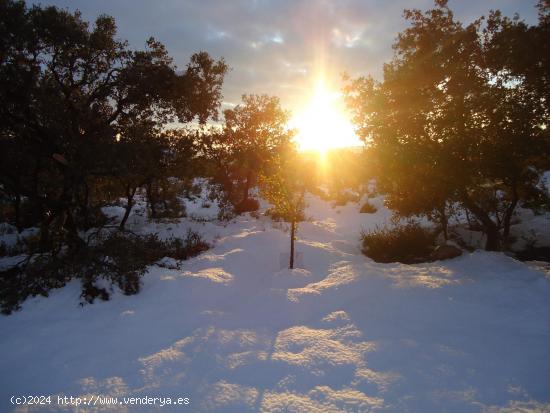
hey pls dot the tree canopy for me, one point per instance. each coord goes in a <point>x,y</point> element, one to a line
<point>460,117</point>
<point>72,95</point>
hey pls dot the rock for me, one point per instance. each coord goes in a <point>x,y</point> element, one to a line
<point>446,252</point>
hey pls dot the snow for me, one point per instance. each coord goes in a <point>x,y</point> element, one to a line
<point>233,332</point>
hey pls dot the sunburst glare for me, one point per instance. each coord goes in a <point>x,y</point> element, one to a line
<point>323,124</point>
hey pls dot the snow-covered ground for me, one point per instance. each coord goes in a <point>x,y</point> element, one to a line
<point>233,332</point>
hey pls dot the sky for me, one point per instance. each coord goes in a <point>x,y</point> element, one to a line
<point>278,47</point>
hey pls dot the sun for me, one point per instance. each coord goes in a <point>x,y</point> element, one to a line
<point>323,125</point>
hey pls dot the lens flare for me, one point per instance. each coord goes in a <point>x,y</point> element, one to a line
<point>323,125</point>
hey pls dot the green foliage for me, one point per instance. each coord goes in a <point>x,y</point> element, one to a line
<point>119,258</point>
<point>255,131</point>
<point>408,244</point>
<point>226,210</point>
<point>82,116</point>
<point>285,189</point>
<point>163,199</point>
<point>458,118</point>
<point>278,216</point>
<point>82,123</point>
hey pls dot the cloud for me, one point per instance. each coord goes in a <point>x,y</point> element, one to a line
<point>278,46</point>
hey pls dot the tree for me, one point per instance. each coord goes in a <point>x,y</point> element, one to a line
<point>82,122</point>
<point>67,90</point>
<point>219,161</point>
<point>450,123</point>
<point>254,132</point>
<point>284,188</point>
<point>137,160</point>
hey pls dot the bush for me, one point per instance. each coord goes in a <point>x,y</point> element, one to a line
<point>226,211</point>
<point>192,189</point>
<point>247,205</point>
<point>342,198</point>
<point>163,199</point>
<point>169,209</point>
<point>30,278</point>
<point>532,253</point>
<point>368,208</point>
<point>183,249</point>
<point>406,243</point>
<point>119,258</point>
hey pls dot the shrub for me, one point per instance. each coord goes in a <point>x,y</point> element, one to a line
<point>532,253</point>
<point>368,208</point>
<point>163,199</point>
<point>405,243</point>
<point>120,258</point>
<point>342,198</point>
<point>128,256</point>
<point>30,278</point>
<point>247,205</point>
<point>183,249</point>
<point>192,189</point>
<point>226,211</point>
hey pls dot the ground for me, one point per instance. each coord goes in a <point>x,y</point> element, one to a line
<point>234,332</point>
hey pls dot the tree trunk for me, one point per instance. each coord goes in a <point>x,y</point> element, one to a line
<point>85,206</point>
<point>292,237</point>
<point>247,186</point>
<point>151,200</point>
<point>443,221</point>
<point>130,197</point>
<point>44,242</point>
<point>489,227</point>
<point>36,203</point>
<point>468,219</point>
<point>224,177</point>
<point>17,210</point>
<point>72,238</point>
<point>493,239</point>
<point>510,212</point>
